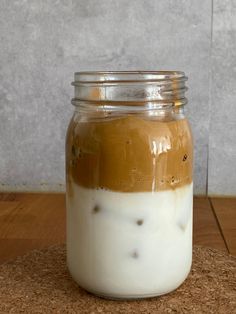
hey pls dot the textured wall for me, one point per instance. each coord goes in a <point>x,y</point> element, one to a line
<point>44,42</point>
<point>222,144</point>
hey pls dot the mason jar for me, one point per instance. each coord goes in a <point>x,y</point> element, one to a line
<point>129,156</point>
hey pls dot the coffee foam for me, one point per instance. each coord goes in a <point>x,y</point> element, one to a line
<point>130,154</point>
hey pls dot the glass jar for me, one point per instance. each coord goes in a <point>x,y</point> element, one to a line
<point>129,193</point>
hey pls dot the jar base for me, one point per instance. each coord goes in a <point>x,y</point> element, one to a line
<point>127,298</point>
<point>130,297</point>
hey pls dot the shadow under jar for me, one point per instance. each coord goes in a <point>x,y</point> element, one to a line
<point>129,183</point>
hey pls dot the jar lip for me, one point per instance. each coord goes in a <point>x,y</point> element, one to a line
<point>119,77</point>
<point>130,86</point>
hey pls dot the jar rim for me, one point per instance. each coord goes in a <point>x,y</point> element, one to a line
<point>119,77</point>
<point>130,86</point>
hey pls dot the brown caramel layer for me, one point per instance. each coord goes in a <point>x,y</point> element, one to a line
<point>130,154</point>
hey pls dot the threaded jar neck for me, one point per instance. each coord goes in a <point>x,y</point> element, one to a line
<point>132,87</point>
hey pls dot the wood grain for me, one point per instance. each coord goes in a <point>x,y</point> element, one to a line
<point>11,248</point>
<point>205,228</point>
<point>225,210</point>
<point>30,221</point>
<point>33,216</point>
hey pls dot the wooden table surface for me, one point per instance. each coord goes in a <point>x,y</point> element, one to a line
<point>34,221</point>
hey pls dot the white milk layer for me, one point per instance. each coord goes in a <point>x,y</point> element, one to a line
<point>129,245</point>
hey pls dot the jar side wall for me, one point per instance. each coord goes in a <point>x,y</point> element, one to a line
<point>69,162</point>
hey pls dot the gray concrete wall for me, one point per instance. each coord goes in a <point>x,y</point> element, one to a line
<point>43,42</point>
<point>222,140</point>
